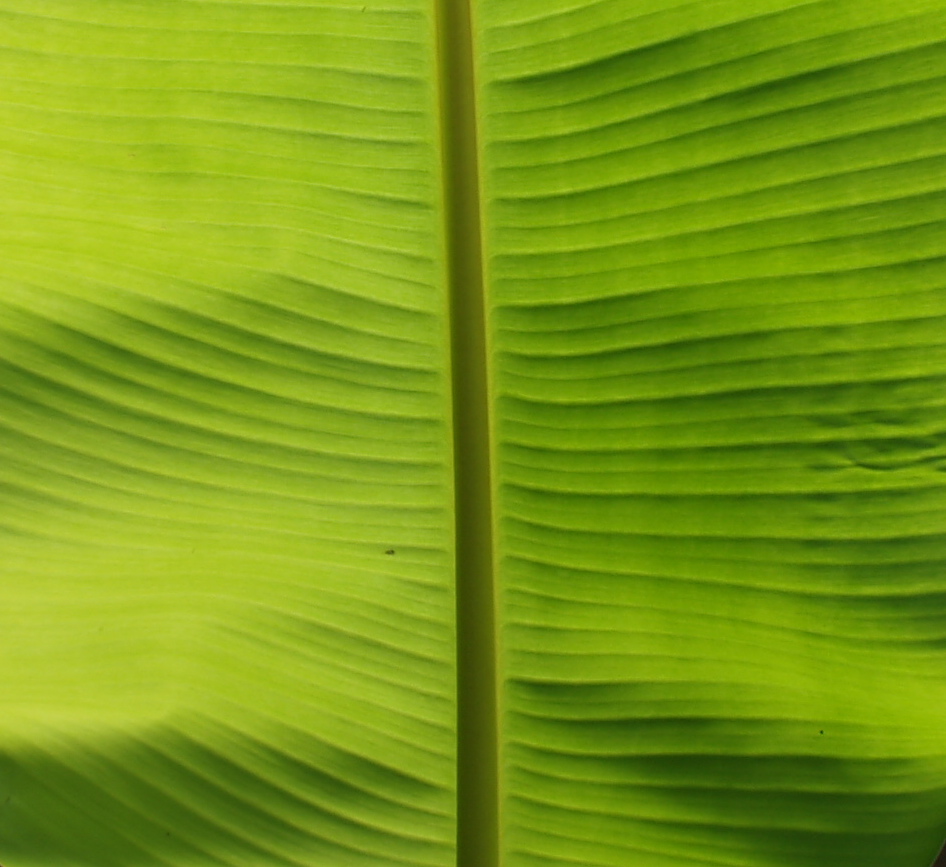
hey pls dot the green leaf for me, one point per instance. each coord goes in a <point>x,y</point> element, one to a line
<point>228,614</point>
<point>716,277</point>
<point>515,442</point>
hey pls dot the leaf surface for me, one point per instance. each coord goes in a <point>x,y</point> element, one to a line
<point>227,595</point>
<point>712,257</point>
<point>714,246</point>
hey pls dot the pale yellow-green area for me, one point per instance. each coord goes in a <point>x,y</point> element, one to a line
<point>226,489</point>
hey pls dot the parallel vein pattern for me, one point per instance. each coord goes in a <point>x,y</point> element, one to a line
<point>716,242</point>
<point>226,603</point>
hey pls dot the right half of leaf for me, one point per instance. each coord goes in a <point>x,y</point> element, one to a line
<point>715,238</point>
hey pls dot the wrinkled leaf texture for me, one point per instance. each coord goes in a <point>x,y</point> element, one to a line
<point>713,243</point>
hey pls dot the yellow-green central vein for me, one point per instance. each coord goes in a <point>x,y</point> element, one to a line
<point>477,776</point>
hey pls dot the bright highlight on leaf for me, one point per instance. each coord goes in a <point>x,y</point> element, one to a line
<point>232,343</point>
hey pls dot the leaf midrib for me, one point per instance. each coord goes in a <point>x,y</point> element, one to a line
<point>477,730</point>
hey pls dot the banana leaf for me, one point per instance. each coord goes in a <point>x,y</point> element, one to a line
<point>497,434</point>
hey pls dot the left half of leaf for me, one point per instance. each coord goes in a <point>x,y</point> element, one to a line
<point>226,556</point>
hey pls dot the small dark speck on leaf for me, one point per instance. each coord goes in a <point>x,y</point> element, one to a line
<point>389,551</point>
<point>821,732</point>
